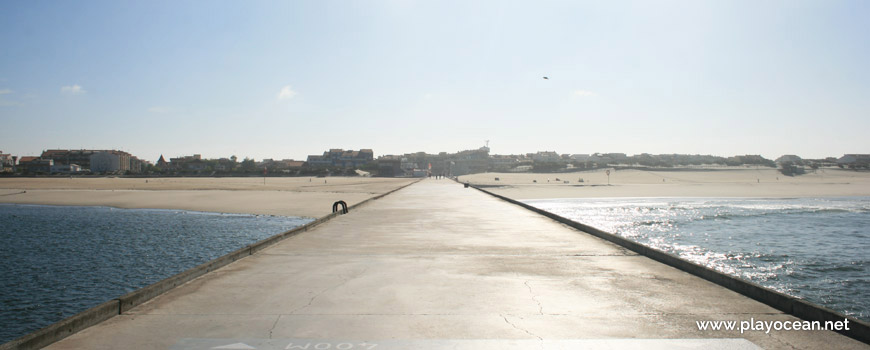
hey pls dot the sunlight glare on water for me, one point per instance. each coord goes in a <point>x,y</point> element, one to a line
<point>812,248</point>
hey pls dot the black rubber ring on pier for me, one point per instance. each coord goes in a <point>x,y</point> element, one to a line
<point>343,207</point>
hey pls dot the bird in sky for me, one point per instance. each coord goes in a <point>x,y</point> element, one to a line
<point>545,78</point>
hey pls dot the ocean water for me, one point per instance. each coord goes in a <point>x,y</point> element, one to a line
<point>58,261</point>
<point>817,249</point>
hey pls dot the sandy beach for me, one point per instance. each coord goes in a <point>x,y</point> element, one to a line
<point>286,196</point>
<point>746,182</point>
<point>313,197</point>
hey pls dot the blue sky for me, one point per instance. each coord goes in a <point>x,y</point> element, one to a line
<point>291,78</point>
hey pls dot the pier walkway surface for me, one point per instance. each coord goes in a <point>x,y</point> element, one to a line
<point>436,265</point>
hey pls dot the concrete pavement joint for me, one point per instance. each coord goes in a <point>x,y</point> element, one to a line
<point>345,280</point>
<point>770,335</point>
<point>518,328</point>
<point>309,301</point>
<point>273,326</point>
<point>535,298</point>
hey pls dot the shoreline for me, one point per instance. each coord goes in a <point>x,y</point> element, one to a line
<point>160,209</point>
<point>297,197</point>
<point>690,197</point>
<point>685,183</point>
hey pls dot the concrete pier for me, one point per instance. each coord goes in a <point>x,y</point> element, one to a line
<point>436,265</point>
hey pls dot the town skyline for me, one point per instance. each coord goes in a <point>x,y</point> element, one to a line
<point>263,79</point>
<point>338,161</point>
<point>205,155</point>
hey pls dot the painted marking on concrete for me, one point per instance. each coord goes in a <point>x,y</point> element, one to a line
<point>236,346</point>
<point>463,344</point>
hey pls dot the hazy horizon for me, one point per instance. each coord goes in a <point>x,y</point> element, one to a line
<point>289,79</point>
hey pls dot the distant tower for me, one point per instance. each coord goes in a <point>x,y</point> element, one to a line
<point>161,163</point>
<point>487,143</point>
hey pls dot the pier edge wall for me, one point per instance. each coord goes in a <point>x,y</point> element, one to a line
<point>802,309</point>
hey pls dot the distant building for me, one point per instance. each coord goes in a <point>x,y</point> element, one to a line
<point>408,166</point>
<point>595,158</point>
<point>337,157</point>
<point>469,162</point>
<point>617,158</point>
<point>293,164</point>
<point>105,162</point>
<point>66,169</point>
<point>6,159</point>
<point>35,165</point>
<point>319,161</point>
<point>185,159</point>
<point>7,162</point>
<point>546,157</point>
<point>82,158</point>
<point>854,160</point>
<point>137,165</point>
<point>504,162</point>
<point>162,163</point>
<point>355,159</point>
<point>225,164</point>
<point>789,158</point>
<point>26,159</point>
<point>390,166</point>
<point>749,159</point>
<point>580,157</point>
<point>283,165</point>
<point>194,162</point>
